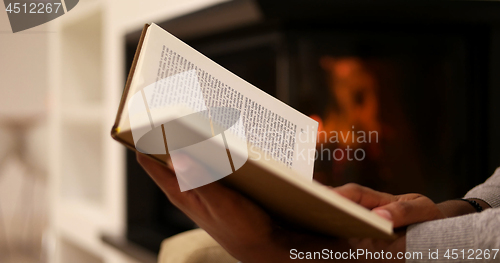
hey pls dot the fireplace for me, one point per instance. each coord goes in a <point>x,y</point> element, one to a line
<point>405,94</point>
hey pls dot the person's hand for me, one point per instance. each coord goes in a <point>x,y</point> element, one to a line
<point>235,222</point>
<point>243,228</point>
<point>402,210</point>
<point>223,213</point>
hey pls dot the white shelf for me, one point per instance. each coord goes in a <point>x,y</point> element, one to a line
<point>82,167</point>
<point>81,61</point>
<point>87,174</point>
<point>81,223</point>
<point>88,115</point>
<point>70,252</point>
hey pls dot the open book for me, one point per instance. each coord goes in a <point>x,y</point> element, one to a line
<point>177,102</point>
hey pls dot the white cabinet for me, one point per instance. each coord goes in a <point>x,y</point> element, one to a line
<point>87,168</point>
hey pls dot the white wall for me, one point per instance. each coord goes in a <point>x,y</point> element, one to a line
<point>24,88</point>
<point>23,68</point>
<point>132,14</point>
<point>23,93</point>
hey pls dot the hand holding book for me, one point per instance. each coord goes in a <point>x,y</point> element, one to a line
<point>402,210</point>
<point>245,230</point>
<point>268,208</point>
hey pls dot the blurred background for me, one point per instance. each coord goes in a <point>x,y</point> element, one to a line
<point>423,75</point>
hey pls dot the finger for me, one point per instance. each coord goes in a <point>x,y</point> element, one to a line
<point>214,195</point>
<point>222,203</point>
<point>165,178</point>
<point>410,209</point>
<point>364,196</point>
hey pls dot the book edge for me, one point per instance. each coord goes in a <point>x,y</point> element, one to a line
<point>115,129</point>
<point>322,194</point>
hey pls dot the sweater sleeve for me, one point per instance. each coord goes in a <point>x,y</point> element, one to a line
<point>489,191</point>
<point>474,233</point>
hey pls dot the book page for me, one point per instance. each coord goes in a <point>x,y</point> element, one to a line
<point>170,72</point>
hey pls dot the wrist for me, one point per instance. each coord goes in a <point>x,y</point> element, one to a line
<point>454,208</point>
<point>481,202</point>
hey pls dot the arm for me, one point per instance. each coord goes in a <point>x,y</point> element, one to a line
<point>473,232</point>
<point>485,194</point>
<point>406,209</point>
<point>454,208</point>
<point>250,235</point>
<point>488,192</point>
<point>243,228</point>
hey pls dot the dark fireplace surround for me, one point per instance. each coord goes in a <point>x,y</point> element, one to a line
<point>437,69</point>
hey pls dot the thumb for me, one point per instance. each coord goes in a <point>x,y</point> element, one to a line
<point>409,209</point>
